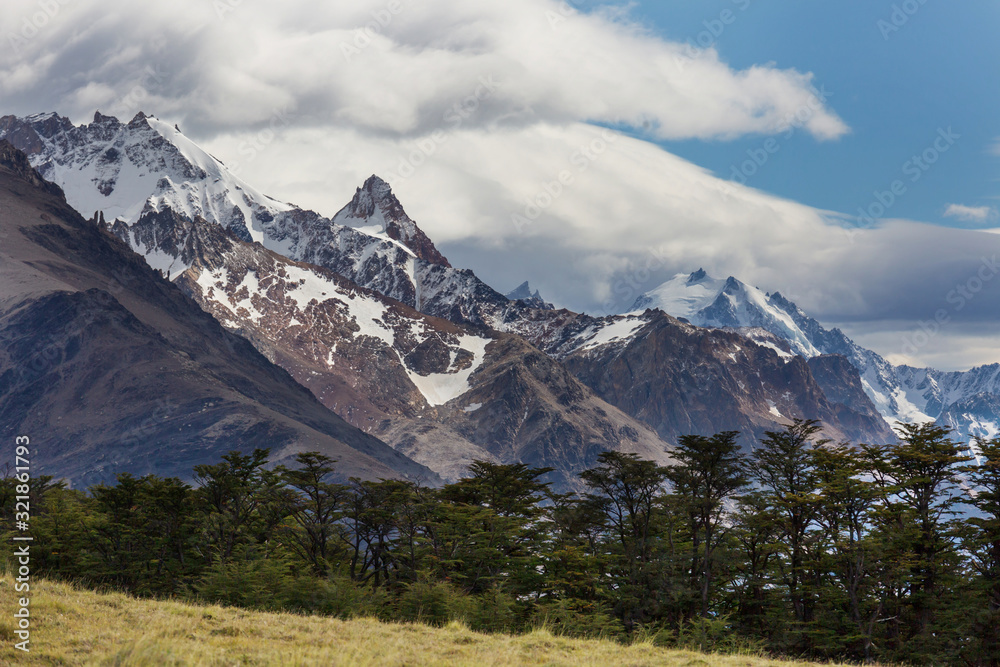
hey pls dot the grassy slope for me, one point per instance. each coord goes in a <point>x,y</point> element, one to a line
<point>75,627</point>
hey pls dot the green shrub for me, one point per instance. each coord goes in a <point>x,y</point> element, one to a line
<point>435,603</point>
<point>578,618</point>
<point>494,611</point>
<point>713,635</point>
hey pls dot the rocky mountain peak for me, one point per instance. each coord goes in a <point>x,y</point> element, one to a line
<point>139,120</point>
<point>732,285</point>
<point>373,196</point>
<point>523,293</point>
<point>28,134</point>
<point>102,119</point>
<point>15,160</point>
<point>378,189</point>
<point>375,209</point>
<point>779,299</point>
<point>697,277</point>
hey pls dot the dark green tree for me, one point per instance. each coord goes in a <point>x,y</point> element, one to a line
<point>241,500</point>
<point>783,468</point>
<point>709,472</point>
<point>852,557</point>
<point>143,532</point>
<point>919,494</point>
<point>510,533</point>
<point>756,534</point>
<point>314,509</point>
<point>629,493</point>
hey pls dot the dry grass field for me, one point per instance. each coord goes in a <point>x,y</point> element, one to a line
<point>71,626</point>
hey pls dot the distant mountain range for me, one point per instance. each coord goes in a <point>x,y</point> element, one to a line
<point>966,401</point>
<point>364,311</point>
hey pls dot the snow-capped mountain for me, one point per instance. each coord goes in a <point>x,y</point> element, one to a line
<point>709,302</point>
<point>146,165</point>
<point>675,377</point>
<point>375,211</point>
<point>959,399</point>
<point>132,172</point>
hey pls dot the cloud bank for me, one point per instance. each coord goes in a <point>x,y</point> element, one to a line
<point>391,67</point>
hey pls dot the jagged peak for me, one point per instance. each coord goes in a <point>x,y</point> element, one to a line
<point>375,209</point>
<point>732,285</point>
<point>139,120</point>
<point>378,188</point>
<point>373,194</point>
<point>523,293</point>
<point>101,118</point>
<point>697,277</point>
<point>41,117</point>
<point>780,300</point>
<point>34,126</point>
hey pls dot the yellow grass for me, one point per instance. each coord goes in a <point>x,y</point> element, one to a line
<point>71,626</point>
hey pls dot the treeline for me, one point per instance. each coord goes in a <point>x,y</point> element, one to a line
<point>804,548</point>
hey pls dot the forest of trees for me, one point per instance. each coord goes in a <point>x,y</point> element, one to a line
<point>803,548</point>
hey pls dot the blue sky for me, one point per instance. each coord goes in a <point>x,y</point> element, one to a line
<point>938,70</point>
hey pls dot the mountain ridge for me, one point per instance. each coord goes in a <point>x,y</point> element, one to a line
<point>900,392</point>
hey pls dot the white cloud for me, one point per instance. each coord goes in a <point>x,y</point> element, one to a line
<point>405,106</point>
<point>950,348</point>
<point>977,214</point>
<point>360,65</point>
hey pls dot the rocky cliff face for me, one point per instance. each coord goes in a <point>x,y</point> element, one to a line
<point>680,378</point>
<point>443,394</point>
<point>684,379</point>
